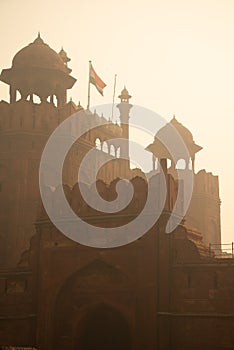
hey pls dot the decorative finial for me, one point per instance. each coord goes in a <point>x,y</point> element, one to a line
<point>38,40</point>
<point>124,96</point>
<point>63,55</point>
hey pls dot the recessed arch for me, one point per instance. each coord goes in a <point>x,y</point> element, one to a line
<point>118,152</point>
<point>103,327</point>
<point>98,144</point>
<point>85,296</point>
<point>105,147</point>
<point>112,150</point>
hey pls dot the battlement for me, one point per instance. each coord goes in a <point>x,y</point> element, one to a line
<point>206,183</point>
<point>109,194</point>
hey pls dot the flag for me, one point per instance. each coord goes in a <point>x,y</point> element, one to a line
<point>96,80</point>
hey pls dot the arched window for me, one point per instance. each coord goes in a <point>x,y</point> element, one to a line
<point>98,144</point>
<point>18,96</point>
<point>190,165</point>
<point>36,99</point>
<point>118,152</point>
<point>112,150</point>
<point>181,164</point>
<point>105,147</point>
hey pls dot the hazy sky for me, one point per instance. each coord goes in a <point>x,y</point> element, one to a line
<point>175,57</point>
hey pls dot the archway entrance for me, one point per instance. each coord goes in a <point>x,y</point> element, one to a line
<point>88,314</point>
<point>103,328</point>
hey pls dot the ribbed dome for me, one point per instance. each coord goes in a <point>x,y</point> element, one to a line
<point>167,140</point>
<point>39,54</point>
<point>182,130</point>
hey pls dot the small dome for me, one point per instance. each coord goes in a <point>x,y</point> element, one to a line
<point>167,133</point>
<point>124,94</point>
<point>185,134</point>
<point>40,55</point>
<point>63,55</point>
<point>124,91</point>
<point>182,130</point>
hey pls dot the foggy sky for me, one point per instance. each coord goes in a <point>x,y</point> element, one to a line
<point>175,57</point>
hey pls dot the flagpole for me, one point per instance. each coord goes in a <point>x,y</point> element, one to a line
<point>88,105</point>
<point>113,101</point>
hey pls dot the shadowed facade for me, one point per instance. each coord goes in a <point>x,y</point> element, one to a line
<point>159,292</point>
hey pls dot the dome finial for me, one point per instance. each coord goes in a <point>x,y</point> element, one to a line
<point>63,55</point>
<point>38,40</point>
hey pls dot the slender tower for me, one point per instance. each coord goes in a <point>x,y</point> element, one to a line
<point>124,108</point>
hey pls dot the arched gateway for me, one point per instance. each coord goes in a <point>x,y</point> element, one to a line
<point>103,328</point>
<point>88,315</point>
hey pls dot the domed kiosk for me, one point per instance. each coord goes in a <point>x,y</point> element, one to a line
<point>38,69</point>
<point>173,136</point>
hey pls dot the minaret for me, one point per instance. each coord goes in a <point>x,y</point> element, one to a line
<point>124,108</point>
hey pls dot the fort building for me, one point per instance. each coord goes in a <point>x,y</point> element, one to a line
<point>162,291</point>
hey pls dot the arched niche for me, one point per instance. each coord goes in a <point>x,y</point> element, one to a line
<point>87,300</point>
<point>118,152</point>
<point>98,144</point>
<point>103,327</point>
<point>105,147</point>
<point>112,150</point>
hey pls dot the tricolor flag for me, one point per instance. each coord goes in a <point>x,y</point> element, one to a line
<point>96,80</point>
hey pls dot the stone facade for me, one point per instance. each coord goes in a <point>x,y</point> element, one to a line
<point>163,291</point>
<point>155,293</point>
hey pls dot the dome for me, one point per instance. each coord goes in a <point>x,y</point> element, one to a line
<point>38,70</point>
<point>124,96</point>
<point>182,130</point>
<point>168,134</point>
<point>39,55</point>
<point>124,92</point>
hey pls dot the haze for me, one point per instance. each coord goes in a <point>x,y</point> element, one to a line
<point>175,57</point>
